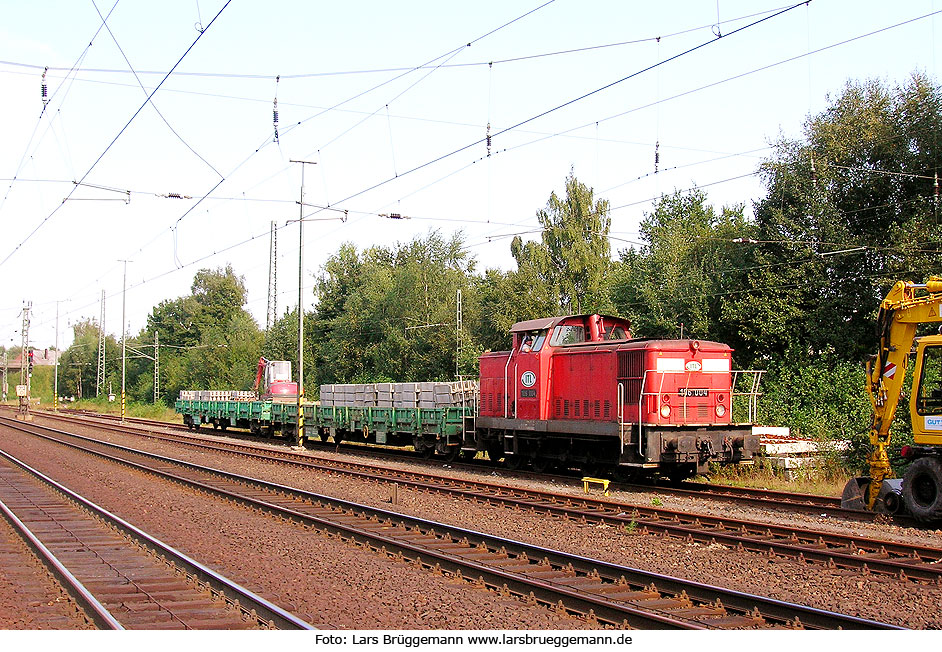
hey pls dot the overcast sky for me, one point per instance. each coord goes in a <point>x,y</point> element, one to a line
<point>393,102</point>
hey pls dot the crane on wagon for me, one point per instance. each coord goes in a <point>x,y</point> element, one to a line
<point>273,379</point>
<point>905,307</point>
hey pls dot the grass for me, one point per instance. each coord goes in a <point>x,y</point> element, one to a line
<point>138,410</point>
<point>821,481</point>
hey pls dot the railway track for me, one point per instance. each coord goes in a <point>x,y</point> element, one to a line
<point>612,594</point>
<point>122,577</point>
<point>798,502</point>
<point>866,555</point>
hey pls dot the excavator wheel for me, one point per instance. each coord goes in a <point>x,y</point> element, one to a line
<point>922,489</point>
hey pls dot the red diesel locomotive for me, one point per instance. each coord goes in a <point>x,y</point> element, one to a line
<point>579,391</point>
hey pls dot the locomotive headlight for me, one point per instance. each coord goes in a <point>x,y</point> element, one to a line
<point>720,410</point>
<point>665,411</point>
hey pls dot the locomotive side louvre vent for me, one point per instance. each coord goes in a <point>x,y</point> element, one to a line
<point>566,407</point>
<point>576,407</point>
<point>598,411</point>
<point>630,364</point>
<point>633,390</point>
<point>585,407</point>
<point>559,409</point>
<point>608,409</point>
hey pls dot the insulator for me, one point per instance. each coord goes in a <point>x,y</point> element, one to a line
<point>275,116</point>
<point>45,91</point>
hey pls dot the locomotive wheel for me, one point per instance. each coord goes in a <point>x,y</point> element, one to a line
<point>512,462</point>
<point>427,452</point>
<point>922,489</point>
<point>495,451</point>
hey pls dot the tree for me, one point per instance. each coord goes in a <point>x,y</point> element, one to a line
<point>849,210</point>
<point>78,365</point>
<point>688,267</point>
<point>388,313</point>
<point>570,262</point>
<point>207,339</point>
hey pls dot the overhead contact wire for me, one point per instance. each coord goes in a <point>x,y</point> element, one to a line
<point>123,129</point>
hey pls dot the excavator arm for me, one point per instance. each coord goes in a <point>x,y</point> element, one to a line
<point>262,363</point>
<point>905,307</point>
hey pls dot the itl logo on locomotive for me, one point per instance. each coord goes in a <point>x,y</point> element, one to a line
<point>528,379</point>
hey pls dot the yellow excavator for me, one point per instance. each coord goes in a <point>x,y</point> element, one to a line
<point>920,491</point>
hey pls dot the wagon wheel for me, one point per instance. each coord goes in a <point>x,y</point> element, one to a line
<point>451,453</point>
<point>512,462</point>
<point>541,464</point>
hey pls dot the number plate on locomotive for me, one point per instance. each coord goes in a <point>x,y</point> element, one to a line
<point>527,393</point>
<point>693,392</point>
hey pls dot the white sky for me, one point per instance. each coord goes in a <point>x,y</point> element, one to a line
<point>351,99</point>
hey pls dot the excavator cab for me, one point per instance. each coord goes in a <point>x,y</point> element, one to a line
<point>921,488</point>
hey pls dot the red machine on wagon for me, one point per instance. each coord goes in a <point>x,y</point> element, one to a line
<point>578,390</point>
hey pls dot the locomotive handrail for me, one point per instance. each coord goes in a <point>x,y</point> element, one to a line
<point>506,395</point>
<point>621,417</point>
<point>753,393</point>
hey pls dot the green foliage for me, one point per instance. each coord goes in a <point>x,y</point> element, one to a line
<point>849,210</point>
<point>684,273</point>
<point>568,266</point>
<point>388,313</point>
<point>78,366</point>
<point>820,397</point>
<point>207,340</point>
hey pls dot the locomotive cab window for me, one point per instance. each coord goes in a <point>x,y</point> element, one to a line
<point>929,396</point>
<point>563,335</point>
<point>532,341</point>
<point>617,333</point>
